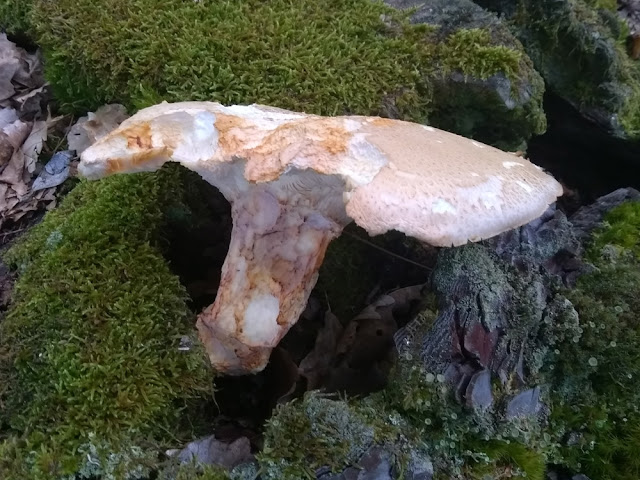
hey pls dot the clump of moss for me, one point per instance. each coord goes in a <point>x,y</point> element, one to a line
<point>462,442</point>
<point>304,436</point>
<point>579,48</point>
<point>610,5</point>
<point>193,471</point>
<point>91,342</point>
<point>596,397</point>
<point>325,57</point>
<point>621,229</point>
<point>485,74</point>
<point>474,54</point>
<point>15,15</point>
<point>416,416</point>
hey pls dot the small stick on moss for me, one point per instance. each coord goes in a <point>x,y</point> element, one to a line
<point>388,252</point>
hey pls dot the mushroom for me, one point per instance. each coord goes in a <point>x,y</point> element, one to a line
<point>295,181</point>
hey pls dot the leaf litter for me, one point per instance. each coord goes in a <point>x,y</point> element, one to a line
<point>25,125</point>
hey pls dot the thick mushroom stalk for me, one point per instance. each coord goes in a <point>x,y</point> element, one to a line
<point>280,235</point>
<point>295,181</point>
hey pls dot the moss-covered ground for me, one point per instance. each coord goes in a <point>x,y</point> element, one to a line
<point>414,417</point>
<point>89,352</point>
<point>596,396</point>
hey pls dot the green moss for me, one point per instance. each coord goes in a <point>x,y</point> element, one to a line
<point>193,471</point>
<point>611,5</point>
<point>473,53</point>
<point>504,111</point>
<point>303,436</point>
<point>325,57</point>
<point>90,344</point>
<point>579,48</point>
<point>621,229</point>
<point>596,399</point>
<point>15,15</point>
<point>416,416</point>
<point>509,459</point>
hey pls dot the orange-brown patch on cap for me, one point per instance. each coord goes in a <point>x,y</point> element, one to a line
<point>317,138</point>
<point>138,136</point>
<point>120,165</point>
<point>231,130</point>
<point>383,122</point>
<point>335,138</point>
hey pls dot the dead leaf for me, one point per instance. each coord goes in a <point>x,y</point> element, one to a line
<point>29,104</point>
<point>94,126</point>
<point>55,172</point>
<point>33,146</point>
<point>30,75</point>
<point>7,116</point>
<point>366,350</point>
<point>13,172</point>
<point>315,365</point>
<point>19,70</point>
<point>11,138</point>
<point>22,95</point>
<point>17,132</point>
<point>8,68</point>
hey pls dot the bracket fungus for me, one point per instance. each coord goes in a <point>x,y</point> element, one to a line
<point>295,181</point>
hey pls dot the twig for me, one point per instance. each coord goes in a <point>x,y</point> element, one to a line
<point>64,135</point>
<point>6,234</point>
<point>395,255</point>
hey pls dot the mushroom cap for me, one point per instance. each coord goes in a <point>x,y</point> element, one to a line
<point>436,186</point>
<point>445,189</point>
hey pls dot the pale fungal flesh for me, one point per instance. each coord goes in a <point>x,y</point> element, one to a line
<point>296,180</point>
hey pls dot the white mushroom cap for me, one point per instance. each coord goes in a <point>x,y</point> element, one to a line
<point>445,189</point>
<point>295,181</point>
<point>436,186</point>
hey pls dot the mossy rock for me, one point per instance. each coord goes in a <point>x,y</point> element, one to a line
<point>579,48</point>
<point>414,426</point>
<point>324,57</point>
<point>89,350</point>
<point>484,84</point>
<point>595,389</point>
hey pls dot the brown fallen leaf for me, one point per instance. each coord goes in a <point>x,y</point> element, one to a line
<point>13,173</point>
<point>11,138</point>
<point>7,115</point>
<point>366,350</point>
<point>30,103</point>
<point>23,93</point>
<point>19,70</point>
<point>94,126</point>
<point>32,146</point>
<point>315,366</point>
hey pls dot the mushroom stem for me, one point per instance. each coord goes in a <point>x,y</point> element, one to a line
<point>278,243</point>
